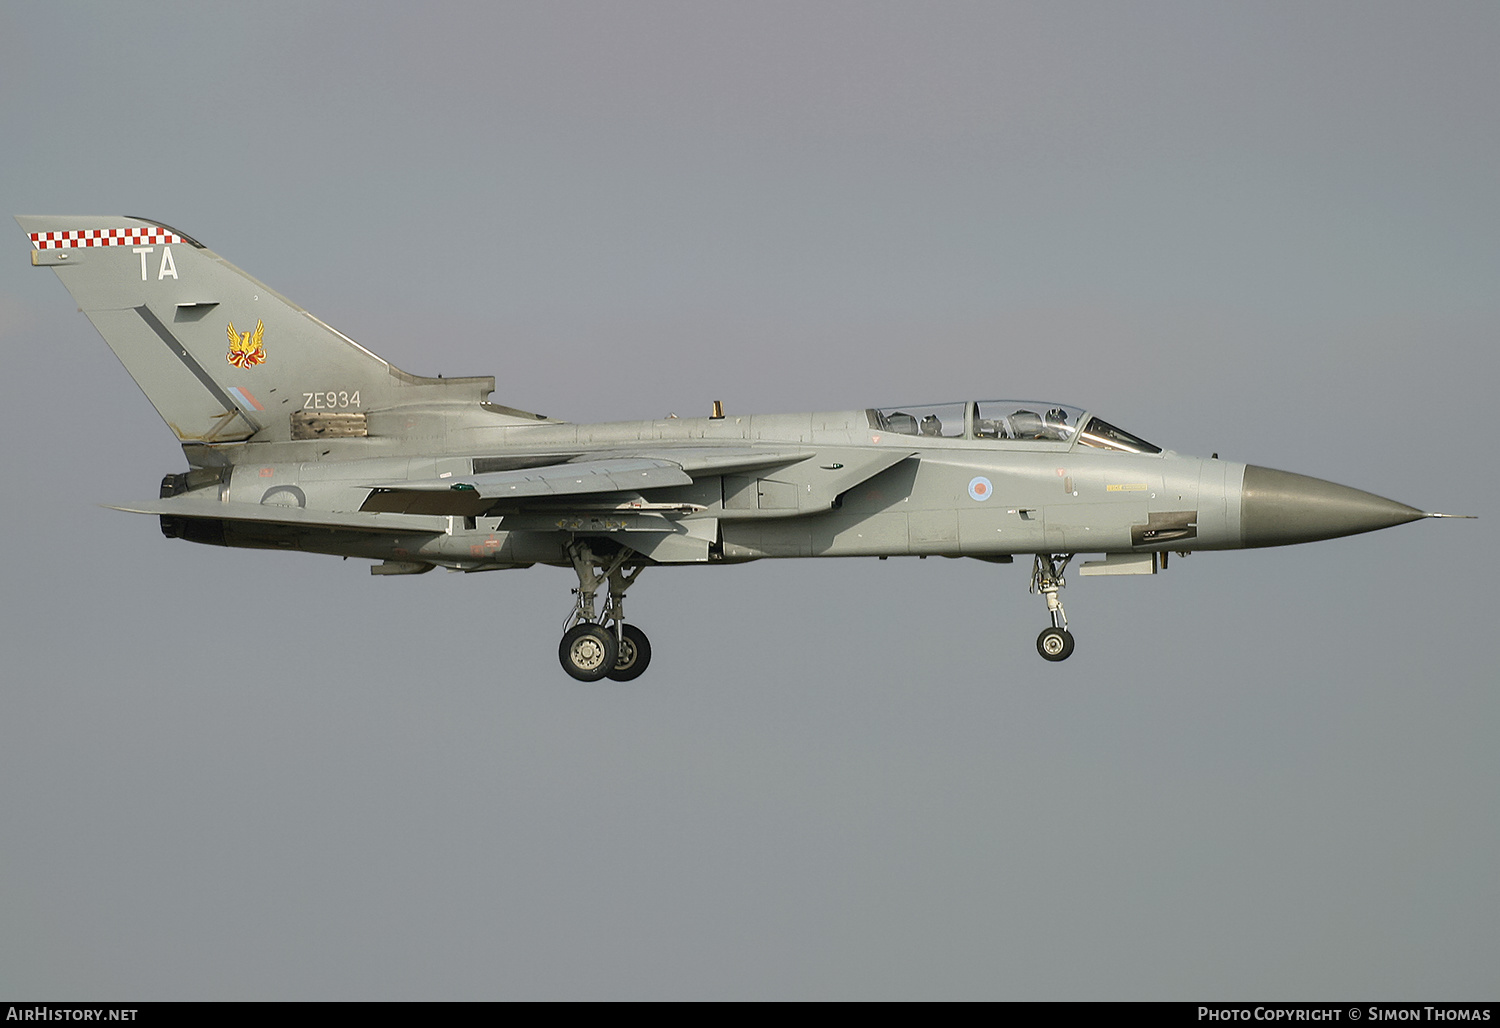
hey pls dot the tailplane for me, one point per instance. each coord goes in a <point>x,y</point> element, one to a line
<point>223,358</point>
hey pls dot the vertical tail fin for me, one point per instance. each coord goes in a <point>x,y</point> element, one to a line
<point>221,357</point>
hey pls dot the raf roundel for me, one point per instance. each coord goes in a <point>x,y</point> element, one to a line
<point>980,488</point>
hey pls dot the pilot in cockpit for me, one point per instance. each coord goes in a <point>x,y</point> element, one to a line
<point>1027,424</point>
<point>931,425</point>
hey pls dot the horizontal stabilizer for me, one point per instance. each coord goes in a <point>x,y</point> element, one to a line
<point>187,506</point>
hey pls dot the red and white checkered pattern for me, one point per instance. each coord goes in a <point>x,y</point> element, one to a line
<point>144,235</point>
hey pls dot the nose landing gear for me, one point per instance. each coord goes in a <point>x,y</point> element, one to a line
<point>1056,643</point>
<point>604,646</point>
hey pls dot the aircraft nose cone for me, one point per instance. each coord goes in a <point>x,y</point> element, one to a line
<point>1278,508</point>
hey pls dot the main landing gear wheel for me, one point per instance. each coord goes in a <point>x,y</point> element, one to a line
<point>588,652</point>
<point>602,645</point>
<point>634,655</point>
<point>1055,644</point>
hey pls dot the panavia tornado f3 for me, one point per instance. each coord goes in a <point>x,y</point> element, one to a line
<point>297,437</point>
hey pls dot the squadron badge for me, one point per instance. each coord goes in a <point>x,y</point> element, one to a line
<point>245,348</point>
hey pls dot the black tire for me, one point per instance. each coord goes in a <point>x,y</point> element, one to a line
<point>634,655</point>
<point>1055,644</point>
<point>588,652</point>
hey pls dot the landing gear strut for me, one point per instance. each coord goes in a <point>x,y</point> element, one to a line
<point>602,646</point>
<point>1056,643</point>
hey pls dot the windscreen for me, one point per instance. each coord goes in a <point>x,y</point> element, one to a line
<point>1101,434</point>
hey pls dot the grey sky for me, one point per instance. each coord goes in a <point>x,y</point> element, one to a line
<point>1266,230</point>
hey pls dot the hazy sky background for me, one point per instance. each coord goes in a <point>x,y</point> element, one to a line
<point>1267,230</point>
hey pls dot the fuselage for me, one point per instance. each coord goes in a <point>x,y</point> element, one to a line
<point>964,493</point>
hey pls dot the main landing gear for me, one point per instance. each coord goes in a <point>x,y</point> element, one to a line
<point>1056,643</point>
<point>604,646</point>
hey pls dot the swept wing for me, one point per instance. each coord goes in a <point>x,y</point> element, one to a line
<point>625,474</point>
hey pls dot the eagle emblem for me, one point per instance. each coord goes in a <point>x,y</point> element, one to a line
<point>245,348</point>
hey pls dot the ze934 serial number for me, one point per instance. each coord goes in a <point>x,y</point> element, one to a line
<point>330,399</point>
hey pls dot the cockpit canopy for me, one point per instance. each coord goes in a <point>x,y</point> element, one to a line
<point>1019,420</point>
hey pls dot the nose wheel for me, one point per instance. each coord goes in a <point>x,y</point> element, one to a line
<point>602,646</point>
<point>1055,643</point>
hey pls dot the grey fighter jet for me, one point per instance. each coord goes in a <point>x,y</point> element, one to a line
<point>296,437</point>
